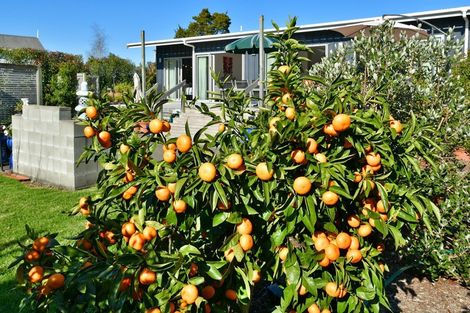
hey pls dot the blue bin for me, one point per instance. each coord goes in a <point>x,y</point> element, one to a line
<point>9,142</point>
<point>3,148</point>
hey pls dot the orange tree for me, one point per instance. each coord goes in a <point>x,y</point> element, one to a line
<point>305,193</point>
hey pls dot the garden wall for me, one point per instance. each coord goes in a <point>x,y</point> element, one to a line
<point>16,82</point>
<point>47,145</point>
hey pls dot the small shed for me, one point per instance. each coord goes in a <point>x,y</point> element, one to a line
<point>18,81</point>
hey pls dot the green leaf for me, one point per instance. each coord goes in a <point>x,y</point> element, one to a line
<point>189,249</point>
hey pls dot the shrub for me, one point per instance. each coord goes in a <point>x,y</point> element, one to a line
<point>427,78</point>
<point>301,194</point>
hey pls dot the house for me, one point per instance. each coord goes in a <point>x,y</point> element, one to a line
<point>192,58</point>
<point>18,81</point>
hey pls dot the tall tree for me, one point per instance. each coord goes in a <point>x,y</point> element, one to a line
<point>205,23</point>
<point>99,44</point>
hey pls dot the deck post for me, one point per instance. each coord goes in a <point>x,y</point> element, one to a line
<point>261,60</point>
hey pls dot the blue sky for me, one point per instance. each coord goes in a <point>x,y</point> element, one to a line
<point>67,25</point>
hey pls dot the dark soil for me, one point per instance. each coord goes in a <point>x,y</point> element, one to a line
<point>411,294</point>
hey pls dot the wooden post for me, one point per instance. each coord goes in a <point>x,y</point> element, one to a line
<point>39,85</point>
<point>142,37</point>
<point>261,60</point>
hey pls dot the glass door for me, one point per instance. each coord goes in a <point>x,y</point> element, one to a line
<point>172,77</point>
<point>202,77</point>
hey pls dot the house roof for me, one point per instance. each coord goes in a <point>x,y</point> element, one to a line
<point>425,15</point>
<point>16,42</point>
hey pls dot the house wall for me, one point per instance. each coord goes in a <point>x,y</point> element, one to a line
<point>16,82</point>
<point>46,146</point>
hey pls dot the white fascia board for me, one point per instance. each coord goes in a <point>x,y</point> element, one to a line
<point>444,13</point>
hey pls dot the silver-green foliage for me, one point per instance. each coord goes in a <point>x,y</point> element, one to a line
<point>415,75</point>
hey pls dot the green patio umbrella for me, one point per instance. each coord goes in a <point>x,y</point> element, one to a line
<point>250,45</point>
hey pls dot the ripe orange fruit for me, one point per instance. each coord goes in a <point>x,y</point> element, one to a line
<point>91,112</point>
<point>313,308</point>
<point>170,146</point>
<point>341,122</point>
<point>357,177</point>
<point>342,291</point>
<point>302,290</point>
<point>263,173</point>
<point>396,124</point>
<point>137,241</point>
<point>89,132</point>
<point>347,144</point>
<point>149,233</point>
<point>312,145</point>
<point>329,198</point>
<point>229,254</point>
<point>179,206</point>
<point>153,310</point>
<point>234,161</point>
<point>382,267</point>
<point>354,243</point>
<point>332,289</point>
<point>290,113</point>
<point>286,98</point>
<point>381,247</point>
<point>364,230</point>
<point>208,292</point>
<point>207,172</point>
<point>147,276</point>
<point>83,202</point>
<point>40,244</point>
<point>373,159</point>
<point>343,240</point>
<point>36,274</point>
<point>231,294</point>
<point>302,185</point>
<point>330,130</point>
<point>169,156</point>
<point>32,256</point>
<point>321,158</point>
<point>283,252</point>
<point>172,187</point>
<point>325,311</point>
<point>163,193</point>
<point>156,126</point>
<point>245,227</point>
<point>380,207</point>
<point>354,221</point>
<point>354,255</point>
<point>246,242</point>
<point>284,69</point>
<point>321,243</point>
<point>104,139</point>
<point>56,281</point>
<point>221,128</point>
<point>298,156</point>
<point>256,277</point>
<point>166,126</point>
<point>109,236</point>
<point>125,284</point>
<point>189,294</point>
<point>325,262</point>
<point>193,268</point>
<point>332,252</point>
<point>128,229</point>
<point>184,143</point>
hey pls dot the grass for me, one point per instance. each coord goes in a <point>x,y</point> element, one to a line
<point>44,209</point>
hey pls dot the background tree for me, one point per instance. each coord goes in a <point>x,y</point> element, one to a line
<point>111,70</point>
<point>205,23</point>
<point>99,44</point>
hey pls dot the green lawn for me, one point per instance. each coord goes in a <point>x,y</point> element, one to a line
<point>45,210</point>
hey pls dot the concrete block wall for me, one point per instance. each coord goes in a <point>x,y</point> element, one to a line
<point>46,146</point>
<point>16,82</point>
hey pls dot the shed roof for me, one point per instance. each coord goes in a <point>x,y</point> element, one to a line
<point>16,42</point>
